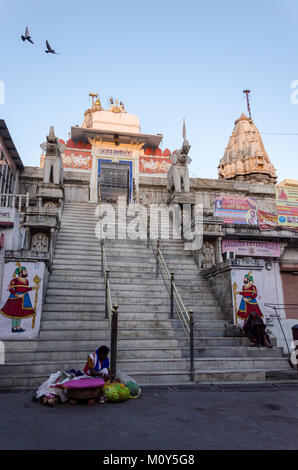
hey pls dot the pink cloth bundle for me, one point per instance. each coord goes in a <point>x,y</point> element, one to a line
<point>83,383</point>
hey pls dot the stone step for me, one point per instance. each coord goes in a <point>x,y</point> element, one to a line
<point>90,243</point>
<point>79,292</point>
<point>81,334</point>
<point>82,286</point>
<point>232,351</point>
<point>75,237</point>
<point>71,220</point>
<point>94,278</point>
<point>61,256</point>
<point>137,308</point>
<point>80,354</point>
<point>69,331</point>
<point>127,283</point>
<point>127,316</point>
<point>92,271</point>
<point>75,262</point>
<point>78,324</point>
<point>32,381</point>
<point>220,341</point>
<point>101,337</point>
<point>149,301</point>
<point>97,300</point>
<point>160,365</point>
<point>87,270</point>
<point>130,260</point>
<point>160,298</point>
<point>78,232</point>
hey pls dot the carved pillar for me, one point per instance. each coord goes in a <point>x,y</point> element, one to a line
<point>51,248</point>
<point>93,178</point>
<point>27,240</point>
<point>218,252</point>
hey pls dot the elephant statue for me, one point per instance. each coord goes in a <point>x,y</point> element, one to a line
<point>178,176</point>
<point>53,169</point>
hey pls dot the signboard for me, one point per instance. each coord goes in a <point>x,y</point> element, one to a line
<point>235,209</point>
<point>287,206</point>
<point>267,220</point>
<point>249,248</point>
<point>112,152</point>
<point>5,218</point>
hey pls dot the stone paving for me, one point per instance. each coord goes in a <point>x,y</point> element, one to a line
<point>197,418</point>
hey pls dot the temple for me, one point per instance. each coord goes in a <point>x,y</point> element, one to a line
<point>111,222</point>
<point>111,139</point>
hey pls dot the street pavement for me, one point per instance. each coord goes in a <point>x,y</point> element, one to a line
<point>194,419</point>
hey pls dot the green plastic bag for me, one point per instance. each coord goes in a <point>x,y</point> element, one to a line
<point>116,392</point>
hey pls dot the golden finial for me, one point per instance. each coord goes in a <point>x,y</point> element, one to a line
<point>93,95</point>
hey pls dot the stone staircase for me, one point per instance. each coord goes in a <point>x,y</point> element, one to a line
<point>73,323</point>
<point>221,353</point>
<point>151,348</point>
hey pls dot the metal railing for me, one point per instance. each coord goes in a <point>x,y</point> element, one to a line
<point>277,307</point>
<point>14,200</point>
<point>111,310</point>
<point>176,303</point>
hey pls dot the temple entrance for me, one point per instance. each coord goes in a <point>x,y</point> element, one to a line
<point>113,181</point>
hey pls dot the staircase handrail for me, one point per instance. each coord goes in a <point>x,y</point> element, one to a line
<point>276,307</point>
<point>186,319</point>
<point>111,310</point>
<point>183,314</point>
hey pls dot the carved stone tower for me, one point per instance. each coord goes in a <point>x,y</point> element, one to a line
<point>245,157</point>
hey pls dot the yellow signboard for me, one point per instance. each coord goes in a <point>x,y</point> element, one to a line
<point>287,205</point>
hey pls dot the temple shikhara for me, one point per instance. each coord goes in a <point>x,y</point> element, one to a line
<point>245,157</point>
<point>110,229</point>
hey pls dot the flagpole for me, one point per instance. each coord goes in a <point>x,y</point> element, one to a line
<point>184,130</point>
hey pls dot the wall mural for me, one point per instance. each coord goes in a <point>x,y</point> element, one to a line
<point>21,300</point>
<point>76,159</point>
<point>253,289</point>
<point>154,165</point>
<point>248,293</point>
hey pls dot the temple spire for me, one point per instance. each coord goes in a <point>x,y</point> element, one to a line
<point>245,157</point>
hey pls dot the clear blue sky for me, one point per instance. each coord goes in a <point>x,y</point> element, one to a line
<point>167,60</point>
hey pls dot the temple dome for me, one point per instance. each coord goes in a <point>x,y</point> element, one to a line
<point>114,119</point>
<point>245,157</point>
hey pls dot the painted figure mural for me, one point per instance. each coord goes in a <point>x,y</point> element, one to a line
<point>249,303</point>
<point>18,305</point>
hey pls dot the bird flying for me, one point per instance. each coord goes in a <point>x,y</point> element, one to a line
<point>49,49</point>
<point>27,36</point>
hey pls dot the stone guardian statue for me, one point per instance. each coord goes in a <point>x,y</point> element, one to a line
<point>53,169</point>
<point>178,176</point>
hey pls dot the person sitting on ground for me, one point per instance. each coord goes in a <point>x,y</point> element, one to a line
<point>98,364</point>
<point>255,330</point>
